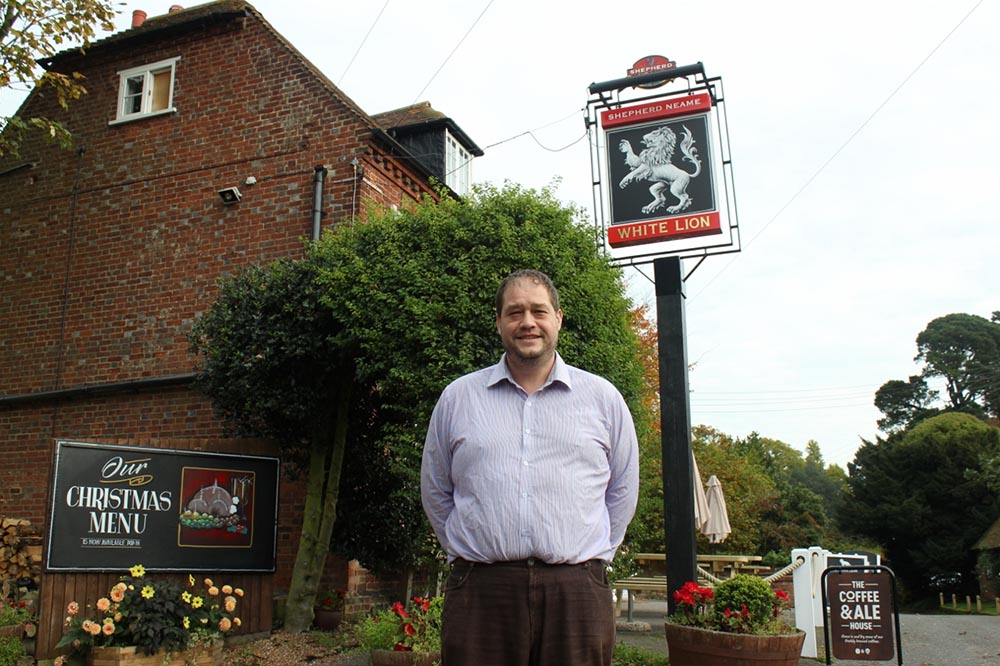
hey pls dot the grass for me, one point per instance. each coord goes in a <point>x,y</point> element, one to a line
<point>627,655</point>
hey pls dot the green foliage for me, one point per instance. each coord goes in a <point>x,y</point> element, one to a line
<point>415,627</point>
<point>915,494</point>
<point>962,349</point>
<point>628,655</point>
<point>269,362</point>
<point>31,30</point>
<point>151,614</point>
<point>745,591</point>
<point>414,291</point>
<point>11,650</point>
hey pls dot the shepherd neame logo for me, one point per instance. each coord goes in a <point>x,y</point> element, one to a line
<point>121,509</point>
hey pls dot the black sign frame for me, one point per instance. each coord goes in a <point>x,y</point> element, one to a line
<point>115,506</point>
<point>866,574</point>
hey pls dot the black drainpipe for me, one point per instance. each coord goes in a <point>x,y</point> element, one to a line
<point>317,212</point>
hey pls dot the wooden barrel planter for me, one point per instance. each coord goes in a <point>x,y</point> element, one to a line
<point>692,646</point>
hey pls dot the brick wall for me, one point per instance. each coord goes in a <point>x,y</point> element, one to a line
<point>110,253</point>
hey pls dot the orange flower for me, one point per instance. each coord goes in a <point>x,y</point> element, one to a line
<point>73,608</point>
<point>108,628</point>
<point>103,604</point>
<point>214,591</point>
<point>225,624</point>
<point>230,604</point>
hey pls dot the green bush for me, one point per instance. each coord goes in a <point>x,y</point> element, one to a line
<point>745,590</point>
<point>11,650</point>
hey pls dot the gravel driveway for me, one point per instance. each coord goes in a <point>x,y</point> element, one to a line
<point>927,640</point>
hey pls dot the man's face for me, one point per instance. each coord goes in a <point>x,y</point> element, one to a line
<point>527,323</point>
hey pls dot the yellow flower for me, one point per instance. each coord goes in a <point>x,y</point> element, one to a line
<point>238,592</point>
<point>197,602</point>
<point>191,580</point>
<point>204,620</point>
<point>118,617</point>
<point>138,571</point>
<point>227,589</point>
<point>237,621</point>
<point>186,596</point>
<point>187,622</point>
<point>108,620</point>
<point>148,592</point>
<point>103,604</point>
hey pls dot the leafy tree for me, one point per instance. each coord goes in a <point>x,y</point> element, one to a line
<point>748,490</point>
<point>272,370</point>
<point>904,403</point>
<point>912,493</point>
<point>962,349</point>
<point>34,29</point>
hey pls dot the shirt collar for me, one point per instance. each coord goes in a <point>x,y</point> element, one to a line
<point>559,373</point>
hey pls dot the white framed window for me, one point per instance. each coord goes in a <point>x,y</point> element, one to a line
<point>146,91</point>
<point>457,165</point>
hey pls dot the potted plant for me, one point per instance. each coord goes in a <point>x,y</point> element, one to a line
<point>404,636</point>
<point>329,610</point>
<point>153,622</point>
<point>17,618</point>
<point>737,623</point>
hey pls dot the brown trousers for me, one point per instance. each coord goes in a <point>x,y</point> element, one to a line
<point>528,613</point>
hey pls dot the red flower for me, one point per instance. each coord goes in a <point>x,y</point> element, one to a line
<point>408,629</point>
<point>781,594</point>
<point>398,609</point>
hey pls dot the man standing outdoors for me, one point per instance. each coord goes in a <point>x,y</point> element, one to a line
<point>530,476</point>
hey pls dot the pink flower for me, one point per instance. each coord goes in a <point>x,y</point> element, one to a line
<point>73,608</point>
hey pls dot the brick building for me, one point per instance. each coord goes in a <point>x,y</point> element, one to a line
<point>206,142</point>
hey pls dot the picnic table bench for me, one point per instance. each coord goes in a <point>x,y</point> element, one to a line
<point>717,565</point>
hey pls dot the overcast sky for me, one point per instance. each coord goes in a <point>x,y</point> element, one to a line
<point>864,137</point>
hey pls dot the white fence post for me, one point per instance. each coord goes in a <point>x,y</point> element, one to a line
<point>808,595</point>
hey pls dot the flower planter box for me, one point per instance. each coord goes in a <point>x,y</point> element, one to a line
<point>403,658</point>
<point>206,655</point>
<point>327,619</point>
<point>692,646</point>
<point>12,630</point>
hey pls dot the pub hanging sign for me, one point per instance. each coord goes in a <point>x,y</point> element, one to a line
<point>661,175</point>
<point>117,506</point>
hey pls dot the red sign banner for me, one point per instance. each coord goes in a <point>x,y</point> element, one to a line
<point>664,108</point>
<point>671,228</point>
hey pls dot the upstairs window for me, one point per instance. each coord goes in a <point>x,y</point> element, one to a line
<point>146,91</point>
<point>458,165</point>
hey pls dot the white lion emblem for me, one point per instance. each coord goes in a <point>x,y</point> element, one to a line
<point>654,163</point>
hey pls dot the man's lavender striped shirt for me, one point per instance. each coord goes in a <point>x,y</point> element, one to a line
<point>508,476</point>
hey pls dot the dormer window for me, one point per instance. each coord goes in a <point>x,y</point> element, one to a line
<point>458,165</point>
<point>146,91</point>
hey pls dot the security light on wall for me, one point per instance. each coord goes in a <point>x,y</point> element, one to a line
<point>230,195</point>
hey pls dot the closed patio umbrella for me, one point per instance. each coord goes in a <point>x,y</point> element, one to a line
<point>701,511</point>
<point>717,528</point>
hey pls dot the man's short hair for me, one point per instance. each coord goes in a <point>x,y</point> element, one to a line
<point>534,276</point>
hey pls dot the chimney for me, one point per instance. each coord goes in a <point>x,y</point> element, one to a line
<point>138,18</point>
<point>174,9</point>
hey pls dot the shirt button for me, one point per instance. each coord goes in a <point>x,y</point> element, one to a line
<point>524,462</point>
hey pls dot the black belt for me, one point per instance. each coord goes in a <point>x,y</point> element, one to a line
<point>530,562</point>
